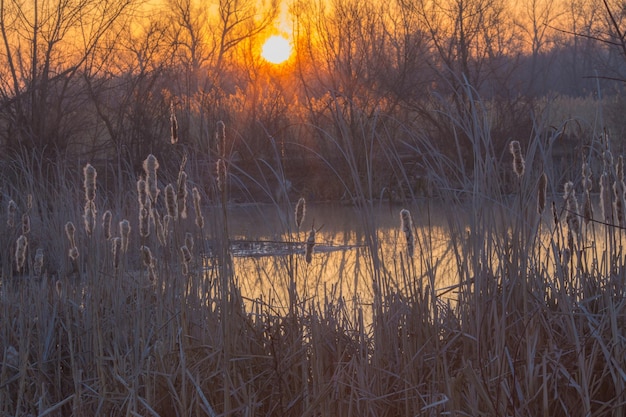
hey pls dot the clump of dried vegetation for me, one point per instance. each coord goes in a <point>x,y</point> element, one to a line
<point>140,311</point>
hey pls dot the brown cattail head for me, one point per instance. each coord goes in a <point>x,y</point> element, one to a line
<point>89,217</point>
<point>25,223</point>
<point>116,248</point>
<point>20,252</point>
<point>197,199</point>
<point>185,254</point>
<point>406,224</point>
<point>518,160</point>
<point>221,174</point>
<point>89,174</point>
<point>150,167</point>
<point>144,222</point>
<point>586,177</point>
<point>107,217</point>
<point>587,207</point>
<point>542,188</point>
<point>12,211</point>
<point>189,241</point>
<point>125,234</point>
<point>146,256</point>
<point>173,125</point>
<point>161,231</point>
<point>300,212</point>
<point>220,138</point>
<point>73,253</point>
<point>310,245</point>
<point>171,202</point>
<point>38,262</point>
<point>70,232</point>
<point>142,192</point>
<point>182,194</point>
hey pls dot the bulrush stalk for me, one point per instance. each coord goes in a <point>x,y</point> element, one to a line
<point>182,193</point>
<point>125,234</point>
<point>20,252</point>
<point>197,199</point>
<point>518,160</point>
<point>150,167</point>
<point>11,213</point>
<point>173,125</point>
<point>300,212</point>
<point>107,217</point>
<point>171,204</point>
<point>310,245</point>
<point>406,224</point>
<point>89,183</point>
<point>542,187</point>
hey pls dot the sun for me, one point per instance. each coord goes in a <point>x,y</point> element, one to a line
<point>276,49</point>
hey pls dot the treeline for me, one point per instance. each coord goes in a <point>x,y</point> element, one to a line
<point>367,82</point>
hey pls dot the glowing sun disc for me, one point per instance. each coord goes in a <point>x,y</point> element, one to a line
<point>276,49</point>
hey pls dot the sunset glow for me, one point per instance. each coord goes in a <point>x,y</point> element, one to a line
<point>276,49</point>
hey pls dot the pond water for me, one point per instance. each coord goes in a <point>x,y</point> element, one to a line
<point>268,250</point>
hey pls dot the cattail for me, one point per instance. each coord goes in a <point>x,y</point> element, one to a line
<point>142,192</point>
<point>161,231</point>
<point>607,159</point>
<point>89,216</point>
<point>542,187</point>
<point>107,217</point>
<point>25,223</point>
<point>116,245</point>
<point>618,197</point>
<point>518,159</point>
<point>58,286</point>
<point>587,207</point>
<point>12,211</point>
<point>197,207</point>
<point>221,174</point>
<point>555,214</point>
<point>150,167</point>
<point>310,244</point>
<point>300,212</point>
<point>125,234</point>
<point>170,202</point>
<point>220,137</point>
<point>70,232</point>
<point>182,194</point>
<point>144,222</point>
<point>89,174</point>
<point>173,125</point>
<point>189,240</point>
<point>38,263</point>
<point>146,256</point>
<point>20,252</point>
<point>406,224</point>
<point>571,207</point>
<point>605,199</point>
<point>185,254</point>
<point>586,180</point>
<point>29,201</point>
<point>73,253</point>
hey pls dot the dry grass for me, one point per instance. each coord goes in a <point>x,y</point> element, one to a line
<point>533,325</point>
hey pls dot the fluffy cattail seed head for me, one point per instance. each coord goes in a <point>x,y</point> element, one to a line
<point>73,253</point>
<point>606,207</point>
<point>146,256</point>
<point>221,174</point>
<point>571,207</point>
<point>125,234</point>
<point>116,248</point>
<point>197,207</point>
<point>89,216</point>
<point>38,262</point>
<point>171,202</point>
<point>70,232</point>
<point>173,125</point>
<point>20,252</point>
<point>220,137</point>
<point>107,217</point>
<point>189,241</point>
<point>12,211</point>
<point>25,223</point>
<point>144,222</point>
<point>182,194</point>
<point>518,160</point>
<point>185,254</point>
<point>300,212</point>
<point>89,174</point>
<point>142,192</point>
<point>150,167</point>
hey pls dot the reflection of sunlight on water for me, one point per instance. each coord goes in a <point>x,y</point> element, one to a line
<point>268,252</point>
